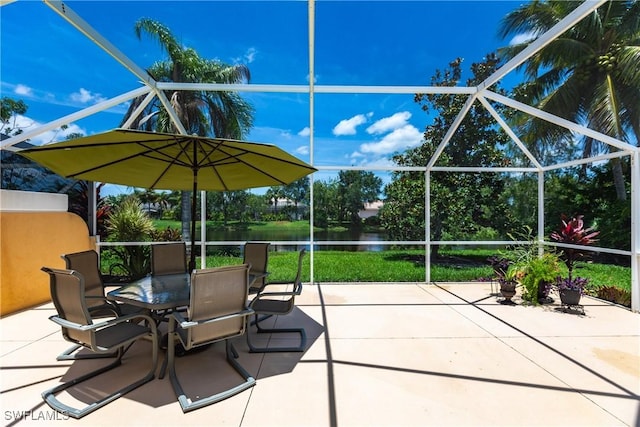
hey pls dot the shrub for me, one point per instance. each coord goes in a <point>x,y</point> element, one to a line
<point>616,295</point>
<point>129,223</point>
<point>167,235</point>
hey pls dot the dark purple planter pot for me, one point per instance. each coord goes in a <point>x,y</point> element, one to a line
<point>570,297</point>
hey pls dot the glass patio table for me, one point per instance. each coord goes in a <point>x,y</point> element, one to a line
<point>155,293</point>
<point>160,292</point>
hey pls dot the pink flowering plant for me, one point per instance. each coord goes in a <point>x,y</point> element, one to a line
<point>573,232</point>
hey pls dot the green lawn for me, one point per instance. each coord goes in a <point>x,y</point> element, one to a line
<point>397,265</point>
<point>407,266</point>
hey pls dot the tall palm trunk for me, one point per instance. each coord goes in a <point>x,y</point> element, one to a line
<point>616,171</point>
<point>225,110</point>
<point>618,179</point>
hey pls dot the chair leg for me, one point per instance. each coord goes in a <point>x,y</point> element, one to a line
<point>50,398</point>
<point>188,404</point>
<point>261,330</point>
<point>260,319</point>
<point>71,354</point>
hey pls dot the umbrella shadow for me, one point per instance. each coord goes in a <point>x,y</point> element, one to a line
<point>201,372</point>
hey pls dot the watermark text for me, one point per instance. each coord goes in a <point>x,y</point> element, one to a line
<point>39,415</point>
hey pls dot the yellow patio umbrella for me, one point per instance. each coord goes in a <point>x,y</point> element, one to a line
<point>164,161</point>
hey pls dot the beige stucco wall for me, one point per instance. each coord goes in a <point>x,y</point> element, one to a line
<point>32,237</point>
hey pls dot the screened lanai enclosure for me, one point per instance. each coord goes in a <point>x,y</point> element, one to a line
<point>317,86</point>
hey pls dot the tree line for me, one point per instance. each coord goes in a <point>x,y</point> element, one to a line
<point>337,201</point>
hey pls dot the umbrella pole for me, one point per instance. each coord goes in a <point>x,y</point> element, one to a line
<point>192,261</point>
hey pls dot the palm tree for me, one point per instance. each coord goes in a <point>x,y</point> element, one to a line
<point>273,195</point>
<point>203,113</point>
<point>589,75</point>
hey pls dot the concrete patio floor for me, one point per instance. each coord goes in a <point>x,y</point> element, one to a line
<point>377,355</point>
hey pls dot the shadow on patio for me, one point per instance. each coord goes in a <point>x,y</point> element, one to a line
<point>377,354</point>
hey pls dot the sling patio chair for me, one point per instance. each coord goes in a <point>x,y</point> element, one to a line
<point>169,258</point>
<point>277,303</point>
<point>256,254</point>
<point>87,264</point>
<point>104,337</point>
<point>217,311</point>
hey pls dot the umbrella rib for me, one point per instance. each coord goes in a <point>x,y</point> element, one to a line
<point>72,144</point>
<point>237,158</point>
<point>171,161</point>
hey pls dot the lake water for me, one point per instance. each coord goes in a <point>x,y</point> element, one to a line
<point>297,235</point>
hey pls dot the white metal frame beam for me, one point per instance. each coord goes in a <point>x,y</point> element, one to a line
<point>81,25</point>
<point>572,126</point>
<point>312,87</point>
<point>554,32</point>
<point>96,108</point>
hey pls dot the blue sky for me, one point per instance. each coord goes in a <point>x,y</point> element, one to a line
<point>57,71</point>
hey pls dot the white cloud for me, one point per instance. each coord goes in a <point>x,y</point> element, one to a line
<point>305,132</point>
<point>23,90</point>
<point>380,163</point>
<point>359,159</point>
<point>522,38</point>
<point>23,122</point>
<point>250,55</point>
<point>57,134</point>
<point>303,150</point>
<point>348,126</point>
<point>397,121</point>
<point>400,139</point>
<point>85,97</point>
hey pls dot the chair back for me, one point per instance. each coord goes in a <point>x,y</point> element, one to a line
<point>257,255</point>
<point>217,292</point>
<point>168,258</point>
<point>88,265</point>
<point>297,283</point>
<point>297,286</point>
<point>68,296</point>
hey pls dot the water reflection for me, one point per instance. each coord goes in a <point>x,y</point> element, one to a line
<point>297,235</point>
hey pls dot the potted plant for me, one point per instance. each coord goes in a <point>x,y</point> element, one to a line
<point>505,276</point>
<point>572,232</point>
<point>508,283</point>
<point>536,273</point>
<point>570,289</point>
<point>538,276</point>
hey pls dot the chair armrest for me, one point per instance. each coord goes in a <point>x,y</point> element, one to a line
<point>186,324</point>
<point>276,294</point>
<point>99,297</point>
<point>106,302</point>
<point>95,326</point>
<point>297,290</point>
<point>72,325</point>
